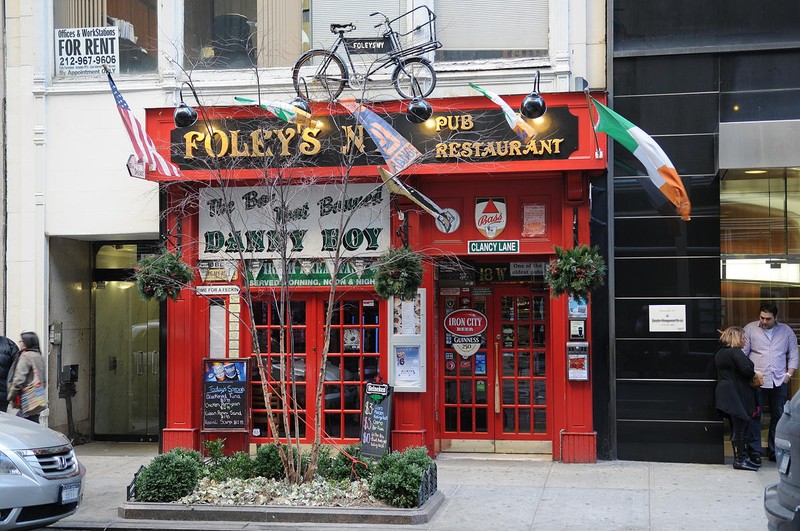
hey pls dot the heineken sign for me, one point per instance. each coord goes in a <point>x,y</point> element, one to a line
<point>293,222</point>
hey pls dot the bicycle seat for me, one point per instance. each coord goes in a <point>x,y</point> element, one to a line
<point>344,28</point>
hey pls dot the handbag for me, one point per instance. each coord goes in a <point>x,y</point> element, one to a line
<point>757,381</point>
<point>33,400</point>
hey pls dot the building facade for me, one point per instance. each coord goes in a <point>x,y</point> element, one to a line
<point>713,84</point>
<point>78,222</point>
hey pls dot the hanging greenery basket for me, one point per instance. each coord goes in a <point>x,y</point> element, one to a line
<point>398,274</point>
<point>576,271</point>
<point>161,276</point>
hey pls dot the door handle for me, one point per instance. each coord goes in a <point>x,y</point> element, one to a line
<point>154,362</point>
<point>496,377</point>
<point>138,357</point>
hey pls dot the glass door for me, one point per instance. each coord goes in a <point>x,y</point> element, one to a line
<point>522,364</point>
<point>298,338</point>
<point>126,340</point>
<point>500,392</point>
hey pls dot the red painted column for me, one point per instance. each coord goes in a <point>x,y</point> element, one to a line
<point>184,354</point>
<point>578,440</point>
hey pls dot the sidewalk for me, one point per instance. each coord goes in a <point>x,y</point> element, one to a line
<point>494,491</point>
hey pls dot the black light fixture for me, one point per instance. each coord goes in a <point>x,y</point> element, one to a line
<point>533,105</point>
<point>418,111</point>
<point>301,104</point>
<point>184,115</point>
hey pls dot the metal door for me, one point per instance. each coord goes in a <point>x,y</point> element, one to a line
<point>126,405</point>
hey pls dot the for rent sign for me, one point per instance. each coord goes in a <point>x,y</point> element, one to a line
<point>84,51</point>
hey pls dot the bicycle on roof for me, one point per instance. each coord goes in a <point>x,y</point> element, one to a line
<point>321,74</point>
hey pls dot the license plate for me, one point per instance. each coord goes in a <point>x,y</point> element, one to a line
<point>70,493</point>
<point>784,467</point>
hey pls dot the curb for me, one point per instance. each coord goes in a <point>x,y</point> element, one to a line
<point>275,514</point>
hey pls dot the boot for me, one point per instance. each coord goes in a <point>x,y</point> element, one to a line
<point>753,455</point>
<point>740,459</point>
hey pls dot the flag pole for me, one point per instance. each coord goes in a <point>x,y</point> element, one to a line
<point>598,153</point>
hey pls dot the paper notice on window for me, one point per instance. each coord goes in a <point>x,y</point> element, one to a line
<point>407,363</point>
<point>409,318</point>
<point>533,220</point>
<point>667,318</point>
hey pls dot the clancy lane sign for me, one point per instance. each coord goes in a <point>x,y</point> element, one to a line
<point>492,246</point>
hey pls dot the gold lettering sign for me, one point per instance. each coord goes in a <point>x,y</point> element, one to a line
<point>258,143</point>
<point>500,148</point>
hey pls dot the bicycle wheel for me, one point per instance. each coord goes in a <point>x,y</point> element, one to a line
<point>414,78</point>
<point>319,76</point>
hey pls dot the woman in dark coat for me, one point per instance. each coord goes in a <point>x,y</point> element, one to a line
<point>734,396</point>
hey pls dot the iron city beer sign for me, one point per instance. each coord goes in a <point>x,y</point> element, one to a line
<point>474,136</point>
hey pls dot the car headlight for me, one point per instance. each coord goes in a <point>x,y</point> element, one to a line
<point>7,466</point>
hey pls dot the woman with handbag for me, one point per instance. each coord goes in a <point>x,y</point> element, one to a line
<point>28,382</point>
<point>734,396</point>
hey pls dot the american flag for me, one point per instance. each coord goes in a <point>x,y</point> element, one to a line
<point>142,143</point>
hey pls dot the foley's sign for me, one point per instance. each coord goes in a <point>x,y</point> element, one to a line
<point>306,221</point>
<point>84,51</point>
<point>461,136</point>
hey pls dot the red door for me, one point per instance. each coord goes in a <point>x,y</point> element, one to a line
<point>501,391</point>
<point>357,332</point>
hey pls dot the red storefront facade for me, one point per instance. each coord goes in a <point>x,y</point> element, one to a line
<point>509,390</point>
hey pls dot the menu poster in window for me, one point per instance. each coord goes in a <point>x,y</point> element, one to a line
<point>376,420</point>
<point>226,394</point>
<point>407,317</point>
<point>406,359</point>
<point>534,222</point>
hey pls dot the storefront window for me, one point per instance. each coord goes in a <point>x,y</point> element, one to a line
<point>760,244</point>
<point>352,361</point>
<point>137,30</point>
<point>517,29</point>
<point>235,34</point>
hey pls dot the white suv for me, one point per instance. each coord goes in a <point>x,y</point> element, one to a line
<point>41,480</point>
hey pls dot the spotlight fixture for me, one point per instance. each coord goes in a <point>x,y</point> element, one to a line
<point>418,111</point>
<point>184,115</point>
<point>533,106</point>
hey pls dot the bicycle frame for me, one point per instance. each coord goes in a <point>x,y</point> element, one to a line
<point>391,58</point>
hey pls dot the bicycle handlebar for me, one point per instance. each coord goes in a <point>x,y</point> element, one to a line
<point>385,18</point>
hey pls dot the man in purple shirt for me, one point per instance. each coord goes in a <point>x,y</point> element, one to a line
<point>772,346</point>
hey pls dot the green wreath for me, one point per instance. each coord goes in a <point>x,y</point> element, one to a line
<point>161,276</point>
<point>398,274</point>
<point>576,271</point>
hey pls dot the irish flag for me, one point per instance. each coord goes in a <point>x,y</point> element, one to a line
<point>524,132</point>
<point>284,111</point>
<point>659,168</point>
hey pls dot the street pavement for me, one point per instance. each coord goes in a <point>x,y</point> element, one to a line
<point>496,491</point>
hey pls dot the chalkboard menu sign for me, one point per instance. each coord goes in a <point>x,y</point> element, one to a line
<point>226,394</point>
<point>376,420</point>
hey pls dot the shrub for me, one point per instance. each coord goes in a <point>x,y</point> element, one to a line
<point>169,476</point>
<point>341,468</point>
<point>268,462</point>
<point>238,465</point>
<point>397,477</point>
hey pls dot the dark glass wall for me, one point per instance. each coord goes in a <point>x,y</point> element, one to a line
<point>662,395</point>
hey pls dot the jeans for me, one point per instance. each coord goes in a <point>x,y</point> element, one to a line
<point>775,399</point>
